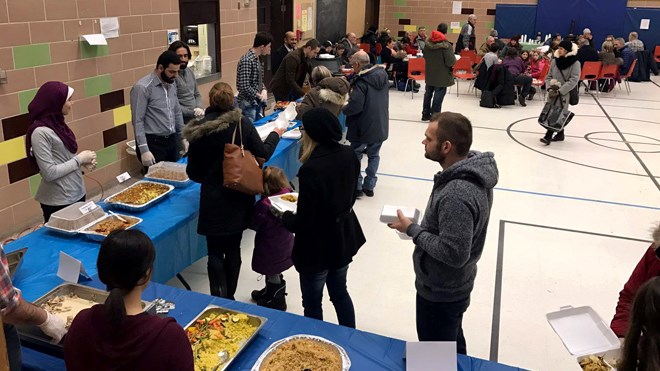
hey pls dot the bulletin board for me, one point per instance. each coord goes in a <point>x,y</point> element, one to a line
<point>304,18</point>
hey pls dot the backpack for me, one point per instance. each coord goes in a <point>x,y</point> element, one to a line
<point>488,100</point>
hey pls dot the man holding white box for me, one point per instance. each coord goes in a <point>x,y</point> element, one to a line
<point>451,237</point>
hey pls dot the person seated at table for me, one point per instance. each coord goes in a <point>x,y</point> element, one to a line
<point>524,55</point>
<point>514,43</point>
<point>641,348</point>
<point>327,48</point>
<point>647,268</point>
<point>223,212</point>
<point>340,52</point>
<point>537,63</point>
<point>51,147</point>
<point>16,311</point>
<point>586,53</point>
<point>517,68</point>
<point>272,243</point>
<point>119,335</point>
<point>485,47</point>
<point>327,92</point>
<point>395,61</point>
<point>608,57</point>
<point>556,38</point>
<point>327,231</point>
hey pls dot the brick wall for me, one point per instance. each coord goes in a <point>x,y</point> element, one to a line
<point>41,42</point>
<point>430,13</point>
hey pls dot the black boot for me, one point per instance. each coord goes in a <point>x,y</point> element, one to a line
<point>217,278</point>
<point>258,294</point>
<point>521,100</point>
<point>274,297</point>
<point>232,270</point>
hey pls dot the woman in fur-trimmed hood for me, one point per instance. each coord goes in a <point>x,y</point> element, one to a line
<point>223,213</point>
<point>564,76</point>
<point>327,92</point>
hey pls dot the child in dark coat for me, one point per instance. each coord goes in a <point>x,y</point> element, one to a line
<point>272,244</point>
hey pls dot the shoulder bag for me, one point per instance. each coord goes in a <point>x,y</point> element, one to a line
<point>240,169</point>
<point>553,116</point>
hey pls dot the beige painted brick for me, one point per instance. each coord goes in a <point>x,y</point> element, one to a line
<point>27,213</point>
<point>19,80</point>
<point>141,72</point>
<point>140,7</point>
<point>14,193</point>
<point>160,39</point>
<point>152,22</point>
<point>52,72</point>
<point>79,87</point>
<point>20,34</point>
<point>6,59</point>
<point>92,142</point>
<point>8,106</point>
<point>143,40</point>
<point>121,44</point>
<point>130,25</point>
<point>85,107</point>
<point>61,9</point>
<point>74,28</point>
<point>115,8</point>
<point>7,226</point>
<point>91,8</point>
<point>4,176</point>
<point>122,79</point>
<point>108,64</point>
<point>151,55</point>
<point>171,21</point>
<point>26,10</point>
<point>160,6</point>
<point>4,17</point>
<point>174,5</point>
<point>82,69</point>
<point>65,51</point>
<point>45,32</point>
<point>132,60</point>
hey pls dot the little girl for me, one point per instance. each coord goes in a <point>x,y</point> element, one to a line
<point>272,244</point>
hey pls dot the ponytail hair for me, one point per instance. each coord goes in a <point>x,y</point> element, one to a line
<point>641,347</point>
<point>125,261</point>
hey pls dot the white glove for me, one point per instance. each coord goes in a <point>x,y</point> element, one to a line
<point>147,159</point>
<point>264,95</point>
<point>198,112</point>
<point>86,157</point>
<point>54,327</point>
<point>186,145</point>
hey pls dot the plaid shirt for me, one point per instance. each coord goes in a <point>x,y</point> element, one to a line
<point>9,295</point>
<point>636,45</point>
<point>249,77</point>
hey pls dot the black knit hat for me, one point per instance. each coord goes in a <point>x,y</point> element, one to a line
<point>567,45</point>
<point>322,126</point>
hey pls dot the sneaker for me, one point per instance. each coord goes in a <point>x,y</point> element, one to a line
<point>545,141</point>
<point>426,118</point>
<point>368,192</point>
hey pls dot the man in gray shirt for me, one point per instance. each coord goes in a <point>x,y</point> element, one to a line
<point>156,113</point>
<point>190,99</point>
<point>451,238</point>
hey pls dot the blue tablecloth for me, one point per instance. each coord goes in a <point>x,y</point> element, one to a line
<point>367,351</point>
<point>287,153</point>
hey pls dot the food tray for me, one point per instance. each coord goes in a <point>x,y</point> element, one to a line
<point>99,237</point>
<point>346,362</point>
<point>33,337</point>
<point>134,208</point>
<point>14,260</point>
<point>256,321</point>
<point>283,205</point>
<point>69,220</point>
<point>169,167</point>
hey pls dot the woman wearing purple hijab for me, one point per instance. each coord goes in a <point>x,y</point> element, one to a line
<point>51,146</point>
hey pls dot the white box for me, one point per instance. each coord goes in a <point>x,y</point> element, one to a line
<point>388,214</point>
<point>584,333</point>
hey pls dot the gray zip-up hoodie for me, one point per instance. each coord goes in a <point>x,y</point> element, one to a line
<point>449,242</point>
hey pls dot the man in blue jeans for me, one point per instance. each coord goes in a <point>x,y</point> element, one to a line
<point>250,78</point>
<point>367,116</point>
<point>439,62</point>
<point>450,240</point>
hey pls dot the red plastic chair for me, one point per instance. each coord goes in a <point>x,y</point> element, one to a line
<point>469,54</point>
<point>415,65</point>
<point>541,80</point>
<point>656,53</point>
<point>591,72</point>
<point>379,48</point>
<point>627,76</point>
<point>366,47</point>
<point>609,73</point>
<point>463,71</point>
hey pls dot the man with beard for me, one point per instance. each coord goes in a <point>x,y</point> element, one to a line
<point>156,113</point>
<point>451,237</point>
<point>289,45</point>
<point>190,99</point>
<point>250,78</point>
<point>287,83</point>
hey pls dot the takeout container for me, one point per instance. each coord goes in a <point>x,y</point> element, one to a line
<point>138,208</point>
<point>346,362</point>
<point>14,260</point>
<point>99,237</point>
<point>256,321</point>
<point>388,215</point>
<point>171,169</point>
<point>584,333</point>
<point>35,338</point>
<point>283,205</point>
<point>69,220</point>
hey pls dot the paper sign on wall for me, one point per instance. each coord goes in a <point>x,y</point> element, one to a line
<point>455,24</point>
<point>303,25</point>
<point>456,8</point>
<point>172,36</point>
<point>410,28</point>
<point>110,27</point>
<point>310,19</point>
<point>644,24</point>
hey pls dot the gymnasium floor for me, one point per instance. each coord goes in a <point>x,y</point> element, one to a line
<point>569,223</point>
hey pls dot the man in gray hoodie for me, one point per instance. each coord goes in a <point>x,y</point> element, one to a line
<point>450,240</point>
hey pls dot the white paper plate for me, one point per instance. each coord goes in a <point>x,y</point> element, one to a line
<point>293,134</point>
<point>283,205</point>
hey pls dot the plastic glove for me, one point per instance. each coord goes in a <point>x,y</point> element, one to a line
<point>185,146</point>
<point>264,95</point>
<point>86,157</point>
<point>198,112</point>
<point>147,159</point>
<point>54,327</point>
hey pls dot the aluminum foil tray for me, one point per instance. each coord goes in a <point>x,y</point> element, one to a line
<point>346,362</point>
<point>14,260</point>
<point>169,166</point>
<point>137,208</point>
<point>98,237</point>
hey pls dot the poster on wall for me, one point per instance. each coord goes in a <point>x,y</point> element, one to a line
<point>644,24</point>
<point>303,26</point>
<point>110,27</point>
<point>310,19</point>
<point>172,36</point>
<point>456,8</point>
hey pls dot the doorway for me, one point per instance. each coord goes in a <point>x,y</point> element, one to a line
<point>276,18</point>
<point>371,14</point>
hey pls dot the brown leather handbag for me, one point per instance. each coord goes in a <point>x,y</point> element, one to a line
<point>240,169</point>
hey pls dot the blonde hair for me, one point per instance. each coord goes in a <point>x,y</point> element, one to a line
<point>633,36</point>
<point>274,180</point>
<point>656,235</point>
<point>307,147</point>
<point>608,47</point>
<point>221,96</point>
<point>319,73</point>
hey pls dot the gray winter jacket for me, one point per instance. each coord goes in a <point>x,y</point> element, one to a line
<point>562,66</point>
<point>367,114</point>
<point>450,240</point>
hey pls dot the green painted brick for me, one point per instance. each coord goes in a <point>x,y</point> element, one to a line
<point>34,180</point>
<point>400,2</point>
<point>31,55</point>
<point>399,15</point>
<point>24,99</point>
<point>98,85</point>
<point>490,25</point>
<point>92,51</point>
<point>106,156</point>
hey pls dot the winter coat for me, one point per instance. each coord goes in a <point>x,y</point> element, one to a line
<point>273,244</point>
<point>569,65</point>
<point>439,62</point>
<point>277,58</point>
<point>645,65</point>
<point>647,268</point>
<point>628,57</point>
<point>328,233</point>
<point>498,80</point>
<point>536,67</point>
<point>290,77</point>
<point>587,53</point>
<point>467,38</point>
<point>330,93</point>
<point>222,211</point>
<point>506,48</point>
<point>483,49</point>
<point>609,58</point>
<point>515,65</point>
<point>367,111</point>
<point>451,237</point>
<point>369,37</point>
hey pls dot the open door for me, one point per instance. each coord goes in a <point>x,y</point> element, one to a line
<point>371,14</point>
<point>275,17</point>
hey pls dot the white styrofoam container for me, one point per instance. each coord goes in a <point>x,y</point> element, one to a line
<point>284,205</point>
<point>584,333</point>
<point>388,214</point>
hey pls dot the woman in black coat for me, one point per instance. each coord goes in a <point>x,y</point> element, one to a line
<point>328,233</point>
<point>223,213</point>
